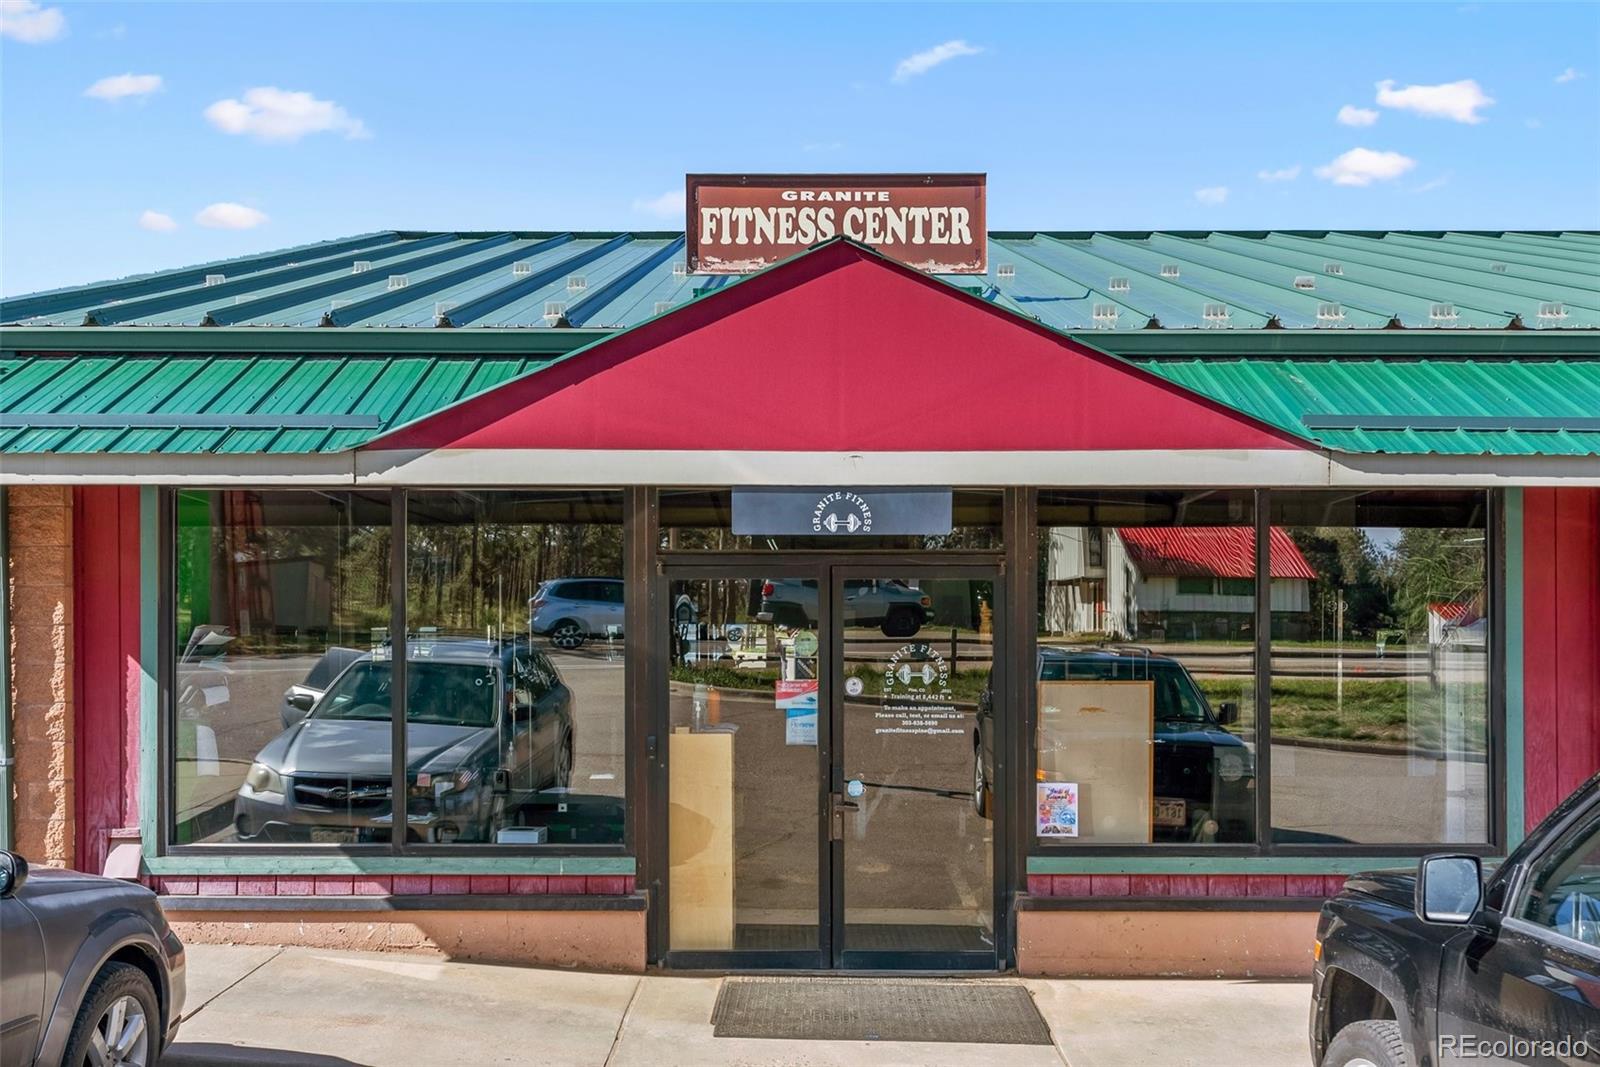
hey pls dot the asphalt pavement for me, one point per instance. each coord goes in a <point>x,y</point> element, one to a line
<point>293,1007</point>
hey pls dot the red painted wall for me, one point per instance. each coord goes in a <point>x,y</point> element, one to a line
<point>841,350</point>
<point>1561,643</point>
<point>106,678</point>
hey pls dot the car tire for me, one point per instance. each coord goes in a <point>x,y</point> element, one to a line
<point>568,634</point>
<point>901,623</point>
<point>120,997</point>
<point>564,755</point>
<point>1369,1043</point>
<point>980,783</point>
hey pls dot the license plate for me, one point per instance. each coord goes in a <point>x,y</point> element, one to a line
<point>333,837</point>
<point>1171,812</point>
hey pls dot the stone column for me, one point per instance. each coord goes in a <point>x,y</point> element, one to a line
<point>39,540</point>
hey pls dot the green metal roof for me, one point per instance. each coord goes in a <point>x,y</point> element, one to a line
<point>231,404</point>
<point>1311,280</point>
<point>237,404</point>
<point>1409,406</point>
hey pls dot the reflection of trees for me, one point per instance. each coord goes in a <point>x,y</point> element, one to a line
<point>1389,588</point>
<point>474,574</point>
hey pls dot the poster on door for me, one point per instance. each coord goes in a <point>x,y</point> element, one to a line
<point>798,701</point>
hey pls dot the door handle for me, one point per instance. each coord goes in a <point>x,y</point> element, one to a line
<point>837,806</point>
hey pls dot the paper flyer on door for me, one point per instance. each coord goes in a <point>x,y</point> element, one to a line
<point>798,701</point>
<point>1058,809</point>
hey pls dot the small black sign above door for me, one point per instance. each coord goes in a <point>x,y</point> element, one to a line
<point>833,511</point>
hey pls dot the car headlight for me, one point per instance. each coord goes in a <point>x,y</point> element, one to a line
<point>263,779</point>
<point>1230,766</point>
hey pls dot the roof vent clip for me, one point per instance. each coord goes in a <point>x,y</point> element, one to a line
<point>215,279</point>
<point>577,282</point>
<point>1005,270</point>
<point>361,266</point>
<point>1330,311</point>
<point>1215,313</point>
<point>1333,268</point>
<point>1552,309</point>
<point>521,267</point>
<point>1104,315</point>
<point>1442,312</point>
<point>398,281</point>
<point>680,269</point>
<point>1169,270</point>
<point>554,311</point>
<point>1304,282</point>
<point>1119,284</point>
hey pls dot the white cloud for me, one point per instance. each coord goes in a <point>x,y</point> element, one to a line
<point>1571,74</point>
<point>229,216</point>
<point>822,146</point>
<point>669,205</point>
<point>1282,174</point>
<point>28,22</point>
<point>1457,101</point>
<point>925,61</point>
<point>157,221</point>
<point>1212,194</point>
<point>1350,115</point>
<point>1434,183</point>
<point>120,85</point>
<point>268,113</point>
<point>1363,166</point>
<point>1533,123</point>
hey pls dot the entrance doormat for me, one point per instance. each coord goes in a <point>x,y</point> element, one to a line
<point>878,1009</point>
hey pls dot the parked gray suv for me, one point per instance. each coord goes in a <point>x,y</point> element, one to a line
<point>92,973</point>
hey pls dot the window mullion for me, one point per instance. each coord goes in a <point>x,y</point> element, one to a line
<point>398,786</point>
<point>1263,670</point>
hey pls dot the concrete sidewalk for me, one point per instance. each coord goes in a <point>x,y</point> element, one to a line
<point>313,1008</point>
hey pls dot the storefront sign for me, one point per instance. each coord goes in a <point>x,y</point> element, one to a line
<point>825,511</point>
<point>738,224</point>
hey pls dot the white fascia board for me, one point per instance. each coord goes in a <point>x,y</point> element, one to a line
<point>587,467</point>
<point>220,470</point>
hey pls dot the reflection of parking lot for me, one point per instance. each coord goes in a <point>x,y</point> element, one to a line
<point>235,710</point>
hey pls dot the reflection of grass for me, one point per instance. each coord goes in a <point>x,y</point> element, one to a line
<point>964,685</point>
<point>1383,711</point>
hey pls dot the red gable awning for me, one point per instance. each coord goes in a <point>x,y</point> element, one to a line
<point>1210,551</point>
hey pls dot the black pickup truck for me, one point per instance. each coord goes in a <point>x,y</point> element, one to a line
<point>1443,966</point>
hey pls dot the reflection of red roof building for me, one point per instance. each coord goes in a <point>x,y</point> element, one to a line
<point>1210,551</point>
<point>1456,613</point>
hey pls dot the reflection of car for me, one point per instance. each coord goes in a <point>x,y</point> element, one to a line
<point>887,603</point>
<point>488,725</point>
<point>298,698</point>
<point>93,974</point>
<point>571,610</point>
<point>1436,965</point>
<point>1204,783</point>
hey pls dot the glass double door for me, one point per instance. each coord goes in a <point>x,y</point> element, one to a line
<point>829,768</point>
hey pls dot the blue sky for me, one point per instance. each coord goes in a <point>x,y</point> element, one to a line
<point>248,127</point>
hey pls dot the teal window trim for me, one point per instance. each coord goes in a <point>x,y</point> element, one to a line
<point>303,864</point>
<point>1169,865</point>
<point>1514,616</point>
<point>150,644</point>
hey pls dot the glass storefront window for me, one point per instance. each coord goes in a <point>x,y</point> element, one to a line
<point>280,595</point>
<point>515,725</point>
<point>1380,670</point>
<point>1146,667</point>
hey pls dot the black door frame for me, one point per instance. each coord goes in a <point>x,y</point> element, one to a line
<point>829,570</point>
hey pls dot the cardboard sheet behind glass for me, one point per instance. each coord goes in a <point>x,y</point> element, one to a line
<point>1100,735</point>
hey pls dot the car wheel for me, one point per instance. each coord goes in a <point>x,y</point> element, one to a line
<point>980,783</point>
<point>901,623</point>
<point>564,761</point>
<point>118,1023</point>
<point>1369,1043</point>
<point>568,634</point>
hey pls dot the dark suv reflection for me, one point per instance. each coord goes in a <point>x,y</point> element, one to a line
<point>1204,786</point>
<point>488,725</point>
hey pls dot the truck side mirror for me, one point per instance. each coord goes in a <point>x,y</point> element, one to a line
<point>13,872</point>
<point>1449,889</point>
<point>1227,713</point>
